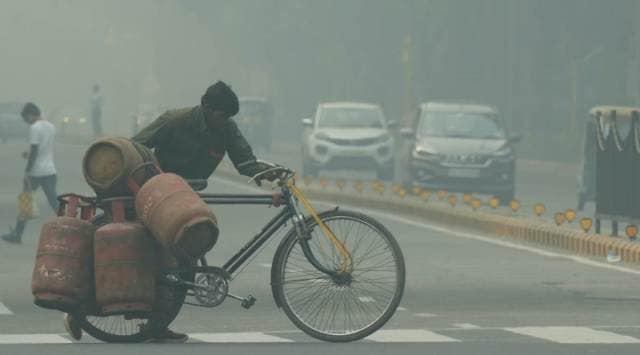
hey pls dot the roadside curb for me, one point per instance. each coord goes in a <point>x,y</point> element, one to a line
<point>525,229</point>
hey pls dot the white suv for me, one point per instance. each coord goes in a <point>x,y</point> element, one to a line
<point>348,135</point>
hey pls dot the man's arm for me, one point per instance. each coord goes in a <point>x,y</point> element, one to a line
<point>33,154</point>
<point>240,152</point>
<point>154,133</point>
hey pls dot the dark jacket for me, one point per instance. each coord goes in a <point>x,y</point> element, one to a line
<point>184,145</point>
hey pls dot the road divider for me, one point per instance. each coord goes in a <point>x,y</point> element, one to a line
<point>468,216</point>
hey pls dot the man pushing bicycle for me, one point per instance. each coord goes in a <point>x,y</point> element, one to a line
<point>191,142</point>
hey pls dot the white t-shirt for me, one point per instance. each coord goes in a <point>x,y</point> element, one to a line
<point>42,134</point>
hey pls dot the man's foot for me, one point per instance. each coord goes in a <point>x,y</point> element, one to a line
<point>72,327</point>
<point>11,237</point>
<point>169,337</point>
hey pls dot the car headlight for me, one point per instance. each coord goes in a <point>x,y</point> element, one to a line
<point>426,154</point>
<point>503,152</point>
<point>322,136</point>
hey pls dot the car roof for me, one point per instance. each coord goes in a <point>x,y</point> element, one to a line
<point>348,104</point>
<point>459,106</point>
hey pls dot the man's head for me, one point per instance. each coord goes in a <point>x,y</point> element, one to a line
<point>30,113</point>
<point>96,88</point>
<point>219,103</point>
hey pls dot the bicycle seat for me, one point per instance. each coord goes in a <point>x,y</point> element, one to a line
<point>198,184</point>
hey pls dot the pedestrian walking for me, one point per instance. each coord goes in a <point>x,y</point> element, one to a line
<point>40,170</point>
<point>96,101</point>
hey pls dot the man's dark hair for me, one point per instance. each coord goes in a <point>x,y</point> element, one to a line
<point>219,96</point>
<point>30,109</point>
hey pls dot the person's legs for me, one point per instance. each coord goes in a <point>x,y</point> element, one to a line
<point>49,186</point>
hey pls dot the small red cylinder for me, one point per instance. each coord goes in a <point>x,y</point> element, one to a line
<point>63,273</point>
<point>125,267</point>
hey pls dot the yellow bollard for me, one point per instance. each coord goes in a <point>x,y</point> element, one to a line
<point>494,202</point>
<point>539,209</point>
<point>514,205</point>
<point>453,200</point>
<point>586,224</point>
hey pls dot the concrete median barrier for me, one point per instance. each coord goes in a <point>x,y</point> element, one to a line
<point>526,229</point>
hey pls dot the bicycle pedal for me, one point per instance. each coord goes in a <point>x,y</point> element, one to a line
<point>248,302</point>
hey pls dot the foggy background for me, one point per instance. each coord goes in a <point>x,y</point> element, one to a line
<point>542,63</point>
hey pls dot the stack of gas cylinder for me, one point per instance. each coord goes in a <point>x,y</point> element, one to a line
<point>108,265</point>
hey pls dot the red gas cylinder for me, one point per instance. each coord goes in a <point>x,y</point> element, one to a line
<point>177,216</point>
<point>63,273</point>
<point>125,266</point>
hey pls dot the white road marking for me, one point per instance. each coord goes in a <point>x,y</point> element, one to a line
<point>266,266</point>
<point>473,236</point>
<point>425,315</point>
<point>246,337</point>
<point>4,310</point>
<point>402,309</point>
<point>366,299</point>
<point>409,336</point>
<point>33,339</point>
<point>466,326</point>
<point>574,335</point>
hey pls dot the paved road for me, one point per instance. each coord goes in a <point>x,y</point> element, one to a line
<point>465,294</point>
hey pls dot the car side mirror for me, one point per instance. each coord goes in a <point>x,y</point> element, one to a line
<point>515,138</point>
<point>406,132</point>
<point>307,122</point>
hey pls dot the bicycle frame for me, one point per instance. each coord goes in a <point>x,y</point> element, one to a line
<point>290,211</point>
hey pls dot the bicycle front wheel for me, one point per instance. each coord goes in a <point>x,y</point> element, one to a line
<point>354,305</point>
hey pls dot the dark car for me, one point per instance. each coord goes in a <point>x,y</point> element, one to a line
<point>11,123</point>
<point>461,147</point>
<point>254,120</point>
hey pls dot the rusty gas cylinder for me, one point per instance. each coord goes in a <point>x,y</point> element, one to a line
<point>108,163</point>
<point>63,273</point>
<point>125,266</point>
<point>176,216</point>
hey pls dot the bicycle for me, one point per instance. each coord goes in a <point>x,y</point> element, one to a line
<point>338,275</point>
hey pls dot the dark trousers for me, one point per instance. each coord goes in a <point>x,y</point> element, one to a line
<point>48,184</point>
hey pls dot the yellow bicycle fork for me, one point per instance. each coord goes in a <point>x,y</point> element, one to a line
<point>345,261</point>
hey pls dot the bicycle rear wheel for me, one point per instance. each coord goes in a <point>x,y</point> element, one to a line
<point>347,308</point>
<point>132,328</point>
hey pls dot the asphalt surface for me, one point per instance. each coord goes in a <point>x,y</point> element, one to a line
<point>465,293</point>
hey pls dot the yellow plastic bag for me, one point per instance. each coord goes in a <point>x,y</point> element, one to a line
<point>25,205</point>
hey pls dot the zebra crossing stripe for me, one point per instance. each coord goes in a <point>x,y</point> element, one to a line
<point>574,335</point>
<point>409,336</point>
<point>4,310</point>
<point>246,337</point>
<point>33,339</point>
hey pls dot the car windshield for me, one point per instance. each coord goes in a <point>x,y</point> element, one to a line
<point>460,125</point>
<point>350,118</point>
